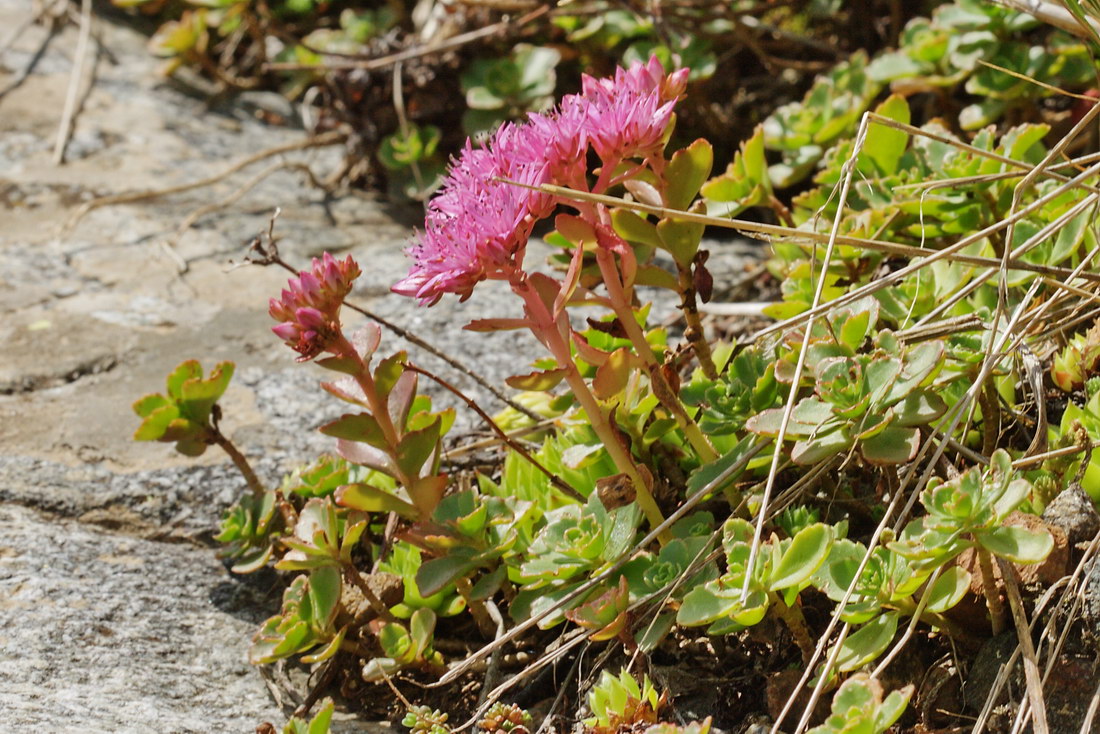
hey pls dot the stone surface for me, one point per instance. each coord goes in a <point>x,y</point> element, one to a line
<point>1073,511</point>
<point>114,614</point>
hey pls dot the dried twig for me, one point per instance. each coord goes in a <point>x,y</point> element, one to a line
<point>319,141</point>
<point>32,64</point>
<point>65,129</point>
<point>219,204</point>
<point>1023,633</point>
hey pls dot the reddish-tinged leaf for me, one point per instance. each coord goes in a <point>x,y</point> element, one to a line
<point>401,397</point>
<point>366,340</point>
<point>542,380</point>
<point>347,365</point>
<point>347,390</point>
<point>575,229</point>
<point>497,324</point>
<point>416,447</point>
<point>364,454</point>
<point>426,493</point>
<point>368,498</point>
<point>612,375</point>
<point>570,282</point>
<point>356,427</point>
<point>589,353</point>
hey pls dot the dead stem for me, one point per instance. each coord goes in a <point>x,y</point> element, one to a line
<point>1027,648</point>
<point>80,57</point>
<point>320,141</point>
<point>796,622</point>
<point>694,332</point>
<point>989,402</point>
<point>989,590</point>
<point>222,203</point>
<point>383,62</point>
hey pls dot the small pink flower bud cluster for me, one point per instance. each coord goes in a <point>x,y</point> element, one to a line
<point>478,226</point>
<point>309,308</point>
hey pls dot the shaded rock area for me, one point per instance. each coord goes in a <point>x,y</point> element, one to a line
<point>114,613</point>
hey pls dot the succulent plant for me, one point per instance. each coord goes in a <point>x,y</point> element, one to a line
<point>426,720</point>
<point>747,387</point>
<point>307,619</point>
<point>1078,361</point>
<point>505,717</point>
<point>183,416</point>
<point>319,724</point>
<point>619,703</point>
<point>781,570</point>
<point>873,402</point>
<point>318,479</point>
<point>506,88</point>
<point>249,530</point>
<point>324,535</point>
<point>406,647</point>
<point>969,511</point>
<point>859,706</point>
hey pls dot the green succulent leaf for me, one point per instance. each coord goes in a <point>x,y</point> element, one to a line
<point>687,171</point>
<point>867,643</point>
<point>1016,544</point>
<point>948,590</point>
<point>807,551</point>
<point>357,427</point>
<point>368,498</point>
<point>892,445</point>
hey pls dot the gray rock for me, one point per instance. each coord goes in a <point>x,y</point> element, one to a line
<point>107,632</point>
<point>1073,511</point>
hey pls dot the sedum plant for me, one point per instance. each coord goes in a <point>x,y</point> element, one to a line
<point>859,707</point>
<point>1078,361</point>
<point>742,596</point>
<point>970,512</point>
<point>405,647</point>
<point>619,702</point>
<point>507,88</point>
<point>319,724</point>
<point>870,402</point>
<point>387,543</point>
<point>412,160</point>
<point>250,530</point>
<point>186,415</point>
<point>307,621</point>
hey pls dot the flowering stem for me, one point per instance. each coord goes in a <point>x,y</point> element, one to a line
<point>343,348</point>
<point>546,330</point>
<point>664,392</point>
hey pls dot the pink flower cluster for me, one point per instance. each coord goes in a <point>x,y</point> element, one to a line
<point>309,308</point>
<point>478,225</point>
